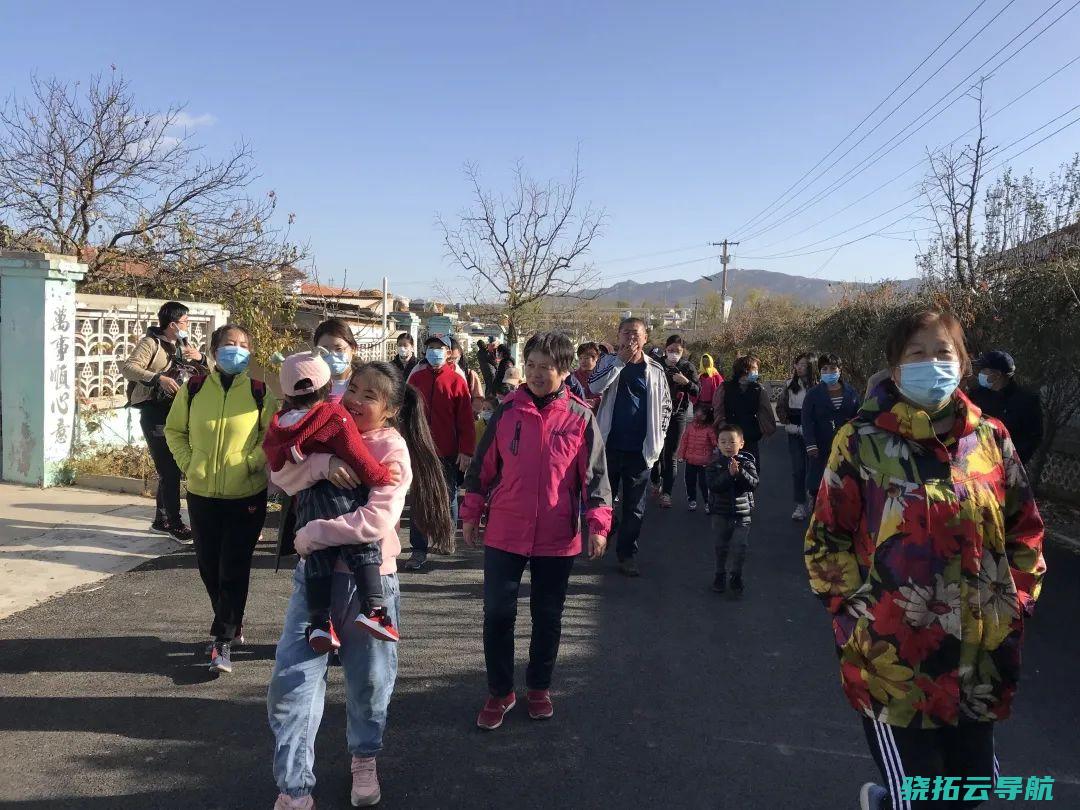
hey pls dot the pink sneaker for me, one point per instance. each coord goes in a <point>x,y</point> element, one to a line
<point>365,782</point>
<point>287,802</point>
<point>495,709</point>
<point>539,701</point>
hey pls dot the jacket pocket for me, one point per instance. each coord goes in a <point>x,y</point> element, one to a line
<point>236,478</point>
<point>196,472</point>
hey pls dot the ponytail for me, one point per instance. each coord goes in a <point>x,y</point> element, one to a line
<point>429,497</point>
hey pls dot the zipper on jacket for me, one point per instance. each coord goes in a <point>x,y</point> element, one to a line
<point>516,440</point>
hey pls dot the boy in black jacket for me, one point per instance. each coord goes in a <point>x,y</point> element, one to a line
<point>732,479</point>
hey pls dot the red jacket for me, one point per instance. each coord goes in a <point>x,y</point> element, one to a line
<point>326,428</point>
<point>708,387</point>
<point>592,400</point>
<point>698,443</point>
<point>449,409</point>
<point>534,469</point>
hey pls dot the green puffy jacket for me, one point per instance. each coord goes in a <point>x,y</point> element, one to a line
<point>217,437</point>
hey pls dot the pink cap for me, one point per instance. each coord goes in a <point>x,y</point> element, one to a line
<point>304,373</point>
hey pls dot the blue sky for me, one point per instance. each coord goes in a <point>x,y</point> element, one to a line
<point>691,117</point>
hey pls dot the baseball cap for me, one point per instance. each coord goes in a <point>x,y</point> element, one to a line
<point>443,339</point>
<point>997,361</point>
<point>304,372</point>
<point>513,376</point>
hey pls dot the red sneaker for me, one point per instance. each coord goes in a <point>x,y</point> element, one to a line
<point>323,640</point>
<point>491,716</point>
<point>539,701</point>
<point>378,622</point>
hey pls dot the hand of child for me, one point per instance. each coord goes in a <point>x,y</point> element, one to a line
<point>733,467</point>
<point>395,473</point>
<point>463,462</point>
<point>302,544</point>
<point>470,534</point>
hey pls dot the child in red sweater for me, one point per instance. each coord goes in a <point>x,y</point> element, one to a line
<point>312,424</point>
<point>697,448</point>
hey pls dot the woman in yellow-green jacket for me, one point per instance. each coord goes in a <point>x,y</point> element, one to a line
<point>215,431</point>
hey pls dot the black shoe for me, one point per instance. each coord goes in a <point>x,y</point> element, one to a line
<point>629,567</point>
<point>736,584</point>
<point>160,527</point>
<point>719,583</point>
<point>179,532</point>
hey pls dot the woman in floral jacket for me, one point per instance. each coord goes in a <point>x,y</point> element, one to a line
<point>926,547</point>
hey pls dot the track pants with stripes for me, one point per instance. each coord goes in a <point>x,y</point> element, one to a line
<point>963,751</point>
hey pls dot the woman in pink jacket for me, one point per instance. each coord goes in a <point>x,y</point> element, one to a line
<point>541,458</point>
<point>391,421</point>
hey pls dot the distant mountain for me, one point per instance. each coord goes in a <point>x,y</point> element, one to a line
<point>681,292</point>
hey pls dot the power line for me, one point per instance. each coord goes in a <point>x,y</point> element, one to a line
<point>880,104</point>
<point>650,255</point>
<point>871,159</point>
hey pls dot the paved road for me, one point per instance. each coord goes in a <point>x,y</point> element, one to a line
<point>668,695</point>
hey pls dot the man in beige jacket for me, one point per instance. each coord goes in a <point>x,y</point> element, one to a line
<point>156,368</point>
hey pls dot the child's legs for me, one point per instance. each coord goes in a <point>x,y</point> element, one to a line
<point>691,481</point>
<point>318,579</point>
<point>294,701</point>
<point>740,541</point>
<point>723,528</point>
<point>364,560</point>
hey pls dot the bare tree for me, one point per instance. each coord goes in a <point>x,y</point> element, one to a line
<point>527,245</point>
<point>952,192</point>
<point>84,171</point>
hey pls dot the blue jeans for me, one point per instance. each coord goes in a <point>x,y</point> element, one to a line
<point>294,702</point>
<point>797,450</point>
<point>418,539</point>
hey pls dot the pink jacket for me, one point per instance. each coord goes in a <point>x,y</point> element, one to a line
<point>708,387</point>
<point>698,443</point>
<point>378,519</point>
<point>533,470</point>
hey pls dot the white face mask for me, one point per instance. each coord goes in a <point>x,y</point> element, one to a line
<point>404,352</point>
<point>673,357</point>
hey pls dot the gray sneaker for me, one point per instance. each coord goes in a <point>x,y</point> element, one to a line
<point>416,561</point>
<point>629,568</point>
<point>872,797</point>
<point>221,657</point>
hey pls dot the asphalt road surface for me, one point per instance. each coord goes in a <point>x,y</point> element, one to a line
<point>666,694</point>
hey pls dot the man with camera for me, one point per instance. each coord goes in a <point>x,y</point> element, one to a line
<point>162,361</point>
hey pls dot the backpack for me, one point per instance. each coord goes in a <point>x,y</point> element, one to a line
<point>258,391</point>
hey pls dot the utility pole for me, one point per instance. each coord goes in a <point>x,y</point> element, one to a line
<point>724,263</point>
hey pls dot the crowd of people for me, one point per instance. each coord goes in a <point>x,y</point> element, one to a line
<point>923,541</point>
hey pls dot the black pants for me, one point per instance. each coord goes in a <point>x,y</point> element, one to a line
<point>502,579</point>
<point>695,480</point>
<point>152,420</point>
<point>364,560</point>
<point>962,751</point>
<point>225,531</point>
<point>663,472</point>
<point>751,447</point>
<point>629,471</point>
<point>732,541</point>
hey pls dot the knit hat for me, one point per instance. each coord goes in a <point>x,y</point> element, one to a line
<point>305,372</point>
<point>997,361</point>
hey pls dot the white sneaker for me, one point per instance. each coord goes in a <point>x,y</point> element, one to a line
<point>799,513</point>
<point>692,506</point>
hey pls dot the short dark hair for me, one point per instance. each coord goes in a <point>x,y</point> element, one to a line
<point>220,333</point>
<point>405,337</point>
<point>171,312</point>
<point>829,359</point>
<point>906,328</point>
<point>555,345</point>
<point>335,327</point>
<point>727,427</point>
<point>633,320</point>
<point>674,340</point>
<point>742,366</point>
<point>589,346</point>
<point>309,400</point>
<point>455,345</point>
<point>503,351</point>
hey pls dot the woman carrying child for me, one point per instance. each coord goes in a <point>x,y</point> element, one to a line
<point>540,459</point>
<point>391,422</point>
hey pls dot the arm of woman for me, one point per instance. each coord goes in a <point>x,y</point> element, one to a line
<point>482,471</point>
<point>766,415</point>
<point>177,435</point>
<point>809,422</point>
<point>596,489</point>
<point>293,478</point>
<point>256,459</point>
<point>829,546</point>
<point>373,521</point>
<point>1023,527</point>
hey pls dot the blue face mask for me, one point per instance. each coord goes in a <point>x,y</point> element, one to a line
<point>232,359</point>
<point>338,362</point>
<point>832,378</point>
<point>435,357</point>
<point>930,383</point>
<point>752,376</point>
<point>984,380</point>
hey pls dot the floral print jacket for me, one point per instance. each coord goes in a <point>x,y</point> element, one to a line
<point>928,554</point>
